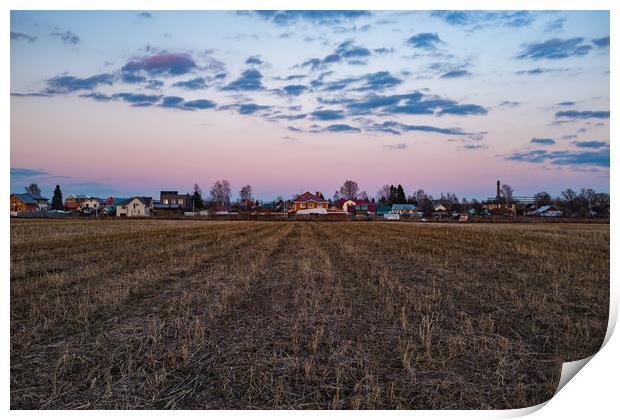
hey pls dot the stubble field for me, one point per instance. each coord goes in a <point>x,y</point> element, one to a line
<point>184,314</point>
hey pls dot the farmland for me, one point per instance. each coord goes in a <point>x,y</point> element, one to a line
<point>192,314</point>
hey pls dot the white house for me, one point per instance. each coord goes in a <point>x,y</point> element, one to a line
<point>135,207</point>
<point>90,203</point>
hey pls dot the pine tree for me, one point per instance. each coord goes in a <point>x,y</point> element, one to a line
<point>57,199</point>
<point>392,197</point>
<point>400,195</point>
<point>197,198</point>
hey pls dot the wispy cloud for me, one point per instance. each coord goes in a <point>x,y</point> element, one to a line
<point>67,37</point>
<point>582,115</point>
<point>568,158</point>
<point>425,40</point>
<point>397,146</point>
<point>318,17</point>
<point>19,36</point>
<point>554,49</point>
<point>163,64</point>
<point>249,80</point>
<point>545,141</point>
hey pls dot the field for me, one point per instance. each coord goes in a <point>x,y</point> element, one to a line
<point>189,314</point>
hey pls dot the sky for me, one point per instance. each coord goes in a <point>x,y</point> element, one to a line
<point>133,102</point>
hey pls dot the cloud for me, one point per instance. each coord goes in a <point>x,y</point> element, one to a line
<point>200,104</point>
<point>510,104</point>
<point>542,141</point>
<point>154,84</point>
<point>372,81</point>
<point>601,42</point>
<point>591,144</point>
<point>163,64</point>
<point>425,40</point>
<point>414,103</point>
<point>394,127</point>
<point>455,74</point>
<point>567,103</point>
<point>570,158</point>
<point>555,25</point>
<point>327,115</point>
<point>251,108</point>
<point>397,146</point>
<point>66,84</point>
<point>294,90</point>
<point>99,97</point>
<point>255,59</point>
<point>538,70</point>
<point>138,99</point>
<point>475,146</point>
<point>132,78</point>
<point>27,172</point>
<point>554,49</point>
<point>171,102</point>
<point>67,37</point>
<point>19,36</point>
<point>481,19</point>
<point>582,115</point>
<point>145,15</point>
<point>193,84</point>
<point>250,80</point>
<point>318,17</point>
<point>341,128</point>
<point>179,103</point>
<point>379,81</point>
<point>345,51</point>
<point>32,94</point>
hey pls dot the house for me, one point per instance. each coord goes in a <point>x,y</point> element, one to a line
<point>365,207</point>
<point>135,207</point>
<point>309,203</point>
<point>440,208</point>
<point>345,204</point>
<point>93,203</point>
<point>27,202</point>
<point>74,202</point>
<point>173,198</point>
<point>546,211</point>
<point>499,204</point>
<point>404,208</point>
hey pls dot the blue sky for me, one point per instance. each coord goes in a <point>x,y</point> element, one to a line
<point>133,102</point>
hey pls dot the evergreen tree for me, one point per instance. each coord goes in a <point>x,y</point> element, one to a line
<point>400,195</point>
<point>197,198</point>
<point>57,199</point>
<point>392,197</point>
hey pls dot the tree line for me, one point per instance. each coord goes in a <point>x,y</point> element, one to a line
<point>574,203</point>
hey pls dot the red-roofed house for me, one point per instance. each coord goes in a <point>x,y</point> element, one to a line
<point>310,203</point>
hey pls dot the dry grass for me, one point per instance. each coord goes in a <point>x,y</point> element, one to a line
<point>181,314</point>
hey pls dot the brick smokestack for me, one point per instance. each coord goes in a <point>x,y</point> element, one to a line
<point>498,193</point>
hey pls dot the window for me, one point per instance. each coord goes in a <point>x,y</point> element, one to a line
<point>165,201</point>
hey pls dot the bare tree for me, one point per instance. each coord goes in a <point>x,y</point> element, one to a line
<point>33,189</point>
<point>220,192</point>
<point>384,193</point>
<point>363,195</point>
<point>349,190</point>
<point>507,192</point>
<point>245,195</point>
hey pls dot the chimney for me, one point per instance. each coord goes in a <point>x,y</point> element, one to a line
<point>318,193</point>
<point>498,193</point>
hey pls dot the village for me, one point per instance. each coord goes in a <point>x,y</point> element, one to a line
<point>348,203</point>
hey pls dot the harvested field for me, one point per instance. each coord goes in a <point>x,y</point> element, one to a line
<point>189,314</point>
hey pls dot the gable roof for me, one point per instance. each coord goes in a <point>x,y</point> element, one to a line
<point>147,201</point>
<point>28,198</point>
<point>309,197</point>
<point>404,207</point>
